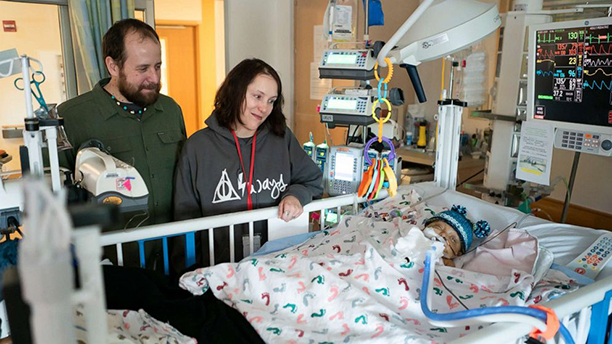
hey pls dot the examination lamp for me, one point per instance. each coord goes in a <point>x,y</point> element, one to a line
<point>435,29</point>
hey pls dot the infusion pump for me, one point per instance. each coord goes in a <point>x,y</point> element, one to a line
<point>347,64</point>
<point>344,170</point>
<point>346,167</point>
<point>346,109</point>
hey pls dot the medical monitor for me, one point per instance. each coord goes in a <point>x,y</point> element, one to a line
<point>344,170</point>
<point>570,83</point>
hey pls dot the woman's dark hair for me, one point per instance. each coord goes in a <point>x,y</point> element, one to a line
<point>231,96</point>
<point>113,43</point>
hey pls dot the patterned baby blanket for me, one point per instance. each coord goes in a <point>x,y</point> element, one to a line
<point>359,282</point>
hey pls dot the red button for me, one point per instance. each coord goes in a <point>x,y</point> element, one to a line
<point>580,271</point>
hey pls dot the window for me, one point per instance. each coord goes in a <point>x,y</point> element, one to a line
<point>43,33</point>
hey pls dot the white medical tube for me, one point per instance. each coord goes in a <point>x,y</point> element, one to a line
<point>402,31</point>
<point>88,252</point>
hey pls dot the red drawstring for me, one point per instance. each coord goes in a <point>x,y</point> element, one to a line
<point>250,181</point>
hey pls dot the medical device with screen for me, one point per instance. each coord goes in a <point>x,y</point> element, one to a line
<point>570,83</point>
<point>346,109</point>
<point>347,64</point>
<point>344,170</point>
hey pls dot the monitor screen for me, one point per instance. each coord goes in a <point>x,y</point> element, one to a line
<point>342,59</point>
<point>344,166</point>
<point>573,74</point>
<point>342,104</point>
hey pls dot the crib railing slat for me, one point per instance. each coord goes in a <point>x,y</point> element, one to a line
<point>190,254</point>
<point>251,234</point>
<point>599,319</point>
<point>141,253</point>
<point>119,254</point>
<point>211,246</point>
<point>165,253</point>
<point>322,219</point>
<point>231,236</point>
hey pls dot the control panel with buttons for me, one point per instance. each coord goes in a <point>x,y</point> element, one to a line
<point>582,141</point>
<point>348,59</point>
<point>594,258</point>
<point>349,64</point>
<point>344,170</point>
<point>346,104</point>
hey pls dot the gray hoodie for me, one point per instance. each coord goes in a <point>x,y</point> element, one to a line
<point>210,180</point>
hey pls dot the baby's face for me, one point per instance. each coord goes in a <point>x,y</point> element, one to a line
<point>452,248</point>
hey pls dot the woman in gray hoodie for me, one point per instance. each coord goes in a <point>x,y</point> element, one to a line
<point>247,158</point>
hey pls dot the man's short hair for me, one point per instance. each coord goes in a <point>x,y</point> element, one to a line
<point>113,43</point>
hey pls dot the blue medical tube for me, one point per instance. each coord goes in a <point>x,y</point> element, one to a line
<point>536,313</point>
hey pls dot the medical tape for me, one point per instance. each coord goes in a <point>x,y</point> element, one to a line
<point>552,324</point>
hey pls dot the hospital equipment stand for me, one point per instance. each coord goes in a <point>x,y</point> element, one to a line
<point>449,131</point>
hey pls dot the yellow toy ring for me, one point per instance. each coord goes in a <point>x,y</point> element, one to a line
<point>389,65</point>
<point>388,113</point>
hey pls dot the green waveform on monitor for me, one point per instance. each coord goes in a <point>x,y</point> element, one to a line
<point>548,38</point>
<point>599,38</point>
<point>541,96</point>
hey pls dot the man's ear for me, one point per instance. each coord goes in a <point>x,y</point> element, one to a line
<point>112,66</point>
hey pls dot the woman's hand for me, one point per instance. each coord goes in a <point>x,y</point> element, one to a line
<point>289,208</point>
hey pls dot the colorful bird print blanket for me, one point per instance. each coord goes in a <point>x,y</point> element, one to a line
<point>359,282</point>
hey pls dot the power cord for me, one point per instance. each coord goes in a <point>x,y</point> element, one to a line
<point>470,177</point>
<point>540,210</point>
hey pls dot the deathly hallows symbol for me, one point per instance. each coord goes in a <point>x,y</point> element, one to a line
<point>225,190</point>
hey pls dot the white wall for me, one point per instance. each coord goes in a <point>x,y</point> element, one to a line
<point>592,187</point>
<point>187,10</point>
<point>37,36</point>
<point>262,29</point>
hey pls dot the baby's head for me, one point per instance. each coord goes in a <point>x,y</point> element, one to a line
<point>456,230</point>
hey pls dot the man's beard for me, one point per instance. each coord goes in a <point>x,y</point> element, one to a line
<point>133,94</point>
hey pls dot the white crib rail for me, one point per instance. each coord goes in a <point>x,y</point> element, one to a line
<point>213,222</point>
<point>563,306</point>
<point>496,333</point>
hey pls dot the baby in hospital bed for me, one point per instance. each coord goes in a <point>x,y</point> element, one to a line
<point>469,245</point>
<point>456,231</point>
<point>498,255</point>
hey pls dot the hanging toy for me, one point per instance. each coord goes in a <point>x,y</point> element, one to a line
<point>379,170</point>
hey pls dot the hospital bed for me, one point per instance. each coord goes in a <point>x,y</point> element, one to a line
<point>564,241</point>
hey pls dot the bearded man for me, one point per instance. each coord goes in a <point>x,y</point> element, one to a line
<point>126,112</point>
